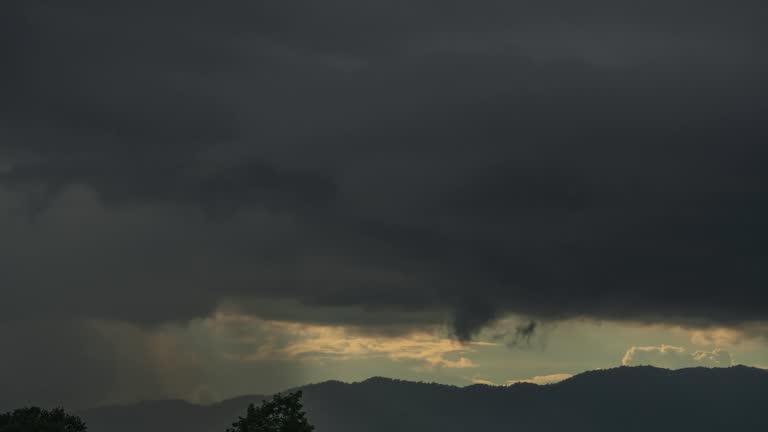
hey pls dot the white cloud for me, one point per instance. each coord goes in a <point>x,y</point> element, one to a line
<point>539,380</point>
<point>674,357</point>
<point>482,381</point>
<point>543,379</point>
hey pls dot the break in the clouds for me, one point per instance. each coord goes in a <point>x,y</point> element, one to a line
<point>389,165</point>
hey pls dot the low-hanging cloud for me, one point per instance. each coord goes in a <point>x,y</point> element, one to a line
<point>674,357</point>
<point>81,364</point>
<point>542,379</point>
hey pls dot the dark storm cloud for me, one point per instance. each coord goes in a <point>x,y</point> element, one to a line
<point>552,159</point>
<point>134,180</point>
<point>76,363</point>
<point>90,363</point>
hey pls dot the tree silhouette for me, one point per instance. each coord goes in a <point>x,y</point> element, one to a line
<point>39,420</point>
<point>281,414</point>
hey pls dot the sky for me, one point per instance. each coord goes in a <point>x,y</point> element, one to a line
<point>200,200</point>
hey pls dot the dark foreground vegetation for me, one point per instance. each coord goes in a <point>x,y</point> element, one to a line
<point>40,420</point>
<point>281,413</point>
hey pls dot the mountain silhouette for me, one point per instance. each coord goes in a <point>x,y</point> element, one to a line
<point>626,398</point>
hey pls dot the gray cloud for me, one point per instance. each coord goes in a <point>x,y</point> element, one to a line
<point>80,364</point>
<point>96,362</point>
<point>388,158</point>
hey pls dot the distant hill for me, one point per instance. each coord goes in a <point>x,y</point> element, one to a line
<point>621,399</point>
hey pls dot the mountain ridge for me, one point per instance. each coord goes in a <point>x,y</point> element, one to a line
<point>631,398</point>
